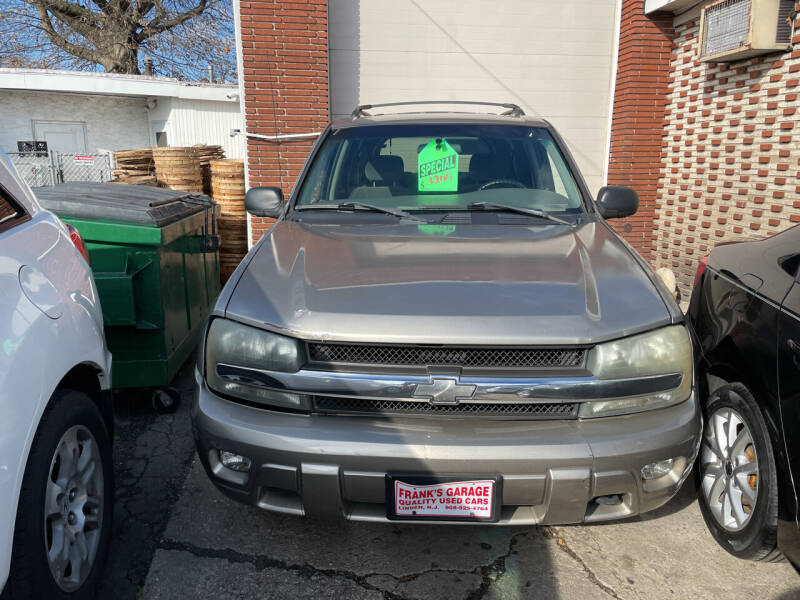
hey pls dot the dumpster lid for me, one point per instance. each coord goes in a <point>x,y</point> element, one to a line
<point>139,204</point>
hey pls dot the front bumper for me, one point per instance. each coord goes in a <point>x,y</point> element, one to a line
<point>551,471</point>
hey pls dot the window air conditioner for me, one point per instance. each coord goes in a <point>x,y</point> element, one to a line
<point>737,29</point>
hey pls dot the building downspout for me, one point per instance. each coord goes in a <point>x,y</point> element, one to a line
<point>284,136</point>
<point>237,25</point>
<point>612,90</point>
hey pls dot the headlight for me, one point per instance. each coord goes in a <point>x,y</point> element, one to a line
<point>662,352</point>
<point>239,357</point>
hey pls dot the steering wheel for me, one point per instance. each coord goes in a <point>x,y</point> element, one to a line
<point>510,182</point>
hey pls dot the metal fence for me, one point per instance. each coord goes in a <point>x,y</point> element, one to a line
<point>38,168</point>
<point>83,167</point>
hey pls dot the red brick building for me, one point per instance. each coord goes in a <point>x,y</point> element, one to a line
<point>283,72</point>
<point>712,147</point>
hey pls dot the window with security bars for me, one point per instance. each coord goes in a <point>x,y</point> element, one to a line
<point>727,25</point>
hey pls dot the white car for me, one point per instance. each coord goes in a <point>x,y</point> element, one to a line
<point>56,477</point>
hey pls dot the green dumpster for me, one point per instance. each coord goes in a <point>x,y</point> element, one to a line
<point>154,258</point>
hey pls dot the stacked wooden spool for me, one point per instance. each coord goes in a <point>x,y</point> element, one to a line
<point>205,154</point>
<point>227,185</point>
<point>135,167</point>
<point>178,168</point>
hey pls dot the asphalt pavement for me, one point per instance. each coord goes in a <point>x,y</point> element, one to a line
<point>176,537</point>
<point>152,456</point>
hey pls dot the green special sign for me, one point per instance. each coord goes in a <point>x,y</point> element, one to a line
<point>437,167</point>
<point>436,230</point>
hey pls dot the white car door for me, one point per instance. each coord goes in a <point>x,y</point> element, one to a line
<point>20,372</point>
<point>50,321</point>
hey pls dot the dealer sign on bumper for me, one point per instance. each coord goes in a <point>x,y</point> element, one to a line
<point>470,499</point>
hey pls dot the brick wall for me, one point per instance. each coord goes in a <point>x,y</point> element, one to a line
<point>285,67</point>
<point>637,125</point>
<point>730,166</point>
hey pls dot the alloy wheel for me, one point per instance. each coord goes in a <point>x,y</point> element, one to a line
<point>729,469</point>
<point>73,511</point>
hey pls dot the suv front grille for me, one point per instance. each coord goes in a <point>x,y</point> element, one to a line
<point>532,410</point>
<point>424,356</point>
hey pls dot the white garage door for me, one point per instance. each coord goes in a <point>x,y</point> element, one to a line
<point>554,58</point>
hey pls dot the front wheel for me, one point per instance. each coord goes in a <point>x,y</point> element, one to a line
<point>63,526</point>
<point>736,477</point>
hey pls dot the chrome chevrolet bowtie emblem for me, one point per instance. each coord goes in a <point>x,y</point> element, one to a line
<point>444,391</point>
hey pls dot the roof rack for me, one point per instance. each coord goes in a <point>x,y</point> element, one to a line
<point>513,110</point>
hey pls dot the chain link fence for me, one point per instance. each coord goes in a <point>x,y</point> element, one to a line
<point>83,167</point>
<point>39,168</point>
<point>36,168</point>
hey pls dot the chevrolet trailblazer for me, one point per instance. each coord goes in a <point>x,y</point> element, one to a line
<point>442,326</point>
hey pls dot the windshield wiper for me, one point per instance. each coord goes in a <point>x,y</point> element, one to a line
<point>532,212</point>
<point>400,214</point>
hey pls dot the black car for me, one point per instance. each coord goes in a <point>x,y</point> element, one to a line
<point>745,312</point>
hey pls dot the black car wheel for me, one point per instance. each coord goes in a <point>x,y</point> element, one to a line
<point>736,477</point>
<point>63,525</point>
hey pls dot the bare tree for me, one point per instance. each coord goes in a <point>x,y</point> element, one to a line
<point>183,36</point>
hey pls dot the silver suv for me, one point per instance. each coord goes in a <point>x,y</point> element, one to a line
<point>442,326</point>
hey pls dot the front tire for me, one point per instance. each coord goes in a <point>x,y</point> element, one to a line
<point>736,476</point>
<point>63,525</point>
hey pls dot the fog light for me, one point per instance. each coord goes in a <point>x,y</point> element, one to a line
<point>235,462</point>
<point>657,469</point>
<point>611,500</point>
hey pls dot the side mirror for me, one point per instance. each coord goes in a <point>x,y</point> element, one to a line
<point>617,201</point>
<point>264,202</point>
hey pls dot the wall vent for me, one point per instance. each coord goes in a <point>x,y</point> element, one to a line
<point>737,29</point>
<point>783,35</point>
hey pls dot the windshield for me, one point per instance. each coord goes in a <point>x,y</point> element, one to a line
<point>449,166</point>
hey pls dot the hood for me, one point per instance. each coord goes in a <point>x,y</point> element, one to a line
<point>457,284</point>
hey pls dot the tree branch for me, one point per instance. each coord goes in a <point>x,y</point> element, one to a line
<point>76,50</point>
<point>160,12</point>
<point>69,9</point>
<point>183,35</point>
<point>79,19</point>
<point>157,26</point>
<point>144,7</point>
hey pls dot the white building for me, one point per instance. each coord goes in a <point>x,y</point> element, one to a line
<point>553,58</point>
<point>88,113</point>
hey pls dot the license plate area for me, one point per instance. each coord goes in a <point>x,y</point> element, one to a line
<point>442,498</point>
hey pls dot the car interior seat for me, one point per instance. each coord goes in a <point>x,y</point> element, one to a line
<point>383,173</point>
